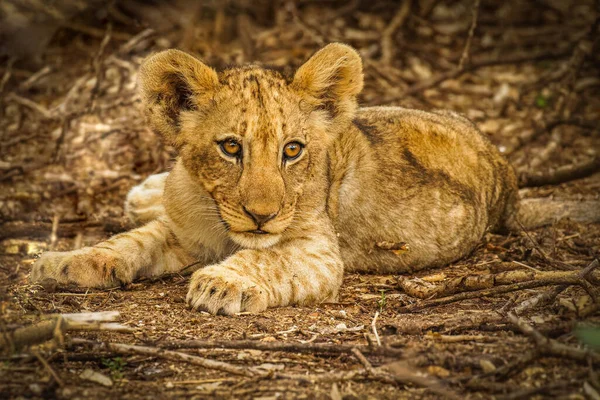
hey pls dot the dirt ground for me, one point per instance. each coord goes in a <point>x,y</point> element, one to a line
<point>73,142</point>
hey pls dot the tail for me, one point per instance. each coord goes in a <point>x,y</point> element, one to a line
<point>534,213</point>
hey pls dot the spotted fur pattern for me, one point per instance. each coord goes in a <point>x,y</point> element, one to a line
<point>365,175</point>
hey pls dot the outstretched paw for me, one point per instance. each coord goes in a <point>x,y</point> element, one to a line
<point>88,267</point>
<point>219,290</point>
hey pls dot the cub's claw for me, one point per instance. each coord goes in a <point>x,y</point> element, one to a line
<point>219,290</point>
<point>88,267</point>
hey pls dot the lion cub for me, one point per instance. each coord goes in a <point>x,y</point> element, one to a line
<point>282,183</point>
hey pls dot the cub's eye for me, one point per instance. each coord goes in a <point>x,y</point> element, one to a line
<point>292,150</point>
<point>231,147</point>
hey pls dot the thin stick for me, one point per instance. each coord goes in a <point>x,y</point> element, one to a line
<point>541,299</point>
<point>30,104</point>
<point>474,65</point>
<point>310,348</point>
<point>374,327</point>
<point>363,360</point>
<point>171,355</point>
<point>552,347</point>
<point>476,294</point>
<point>387,37</point>
<point>53,234</point>
<point>564,173</point>
<point>424,290</point>
<point>57,326</point>
<point>465,57</point>
<point>48,368</point>
<point>342,376</point>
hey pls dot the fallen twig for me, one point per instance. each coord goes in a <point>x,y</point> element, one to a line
<point>389,373</point>
<point>540,299</point>
<point>325,348</point>
<point>465,57</point>
<point>374,328</point>
<point>527,279</point>
<point>528,392</point>
<point>518,141</point>
<point>473,295</point>
<point>363,360</point>
<point>43,111</point>
<point>387,37</point>
<point>48,368</point>
<point>474,65</point>
<point>552,347</point>
<point>171,355</point>
<point>564,173</point>
<point>57,325</point>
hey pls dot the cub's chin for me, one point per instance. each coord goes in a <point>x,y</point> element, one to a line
<point>252,240</point>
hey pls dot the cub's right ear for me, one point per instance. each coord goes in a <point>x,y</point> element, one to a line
<point>172,83</point>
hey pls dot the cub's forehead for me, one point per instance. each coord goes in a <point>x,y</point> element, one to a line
<point>253,77</point>
<point>260,102</point>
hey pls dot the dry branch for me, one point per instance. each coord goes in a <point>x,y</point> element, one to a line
<point>475,65</point>
<point>171,355</point>
<point>421,289</point>
<point>564,173</point>
<point>531,279</point>
<point>324,348</point>
<point>401,372</point>
<point>465,57</point>
<point>57,326</point>
<point>48,368</point>
<point>519,141</point>
<point>391,373</point>
<point>387,38</point>
<point>552,347</point>
<point>540,299</point>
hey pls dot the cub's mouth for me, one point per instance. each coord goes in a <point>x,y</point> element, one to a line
<point>255,239</point>
<point>259,232</point>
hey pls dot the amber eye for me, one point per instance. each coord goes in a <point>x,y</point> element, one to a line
<point>231,148</point>
<point>292,150</point>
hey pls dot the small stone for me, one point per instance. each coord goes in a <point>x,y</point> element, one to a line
<point>487,366</point>
<point>96,377</point>
<point>341,327</point>
<point>36,389</point>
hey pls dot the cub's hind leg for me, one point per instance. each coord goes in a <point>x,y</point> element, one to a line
<point>150,250</point>
<point>144,202</point>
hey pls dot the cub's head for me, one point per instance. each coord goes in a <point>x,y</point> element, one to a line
<point>254,140</point>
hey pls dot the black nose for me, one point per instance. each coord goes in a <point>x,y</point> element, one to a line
<point>260,219</point>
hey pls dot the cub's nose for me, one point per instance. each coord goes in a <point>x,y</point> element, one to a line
<point>260,219</point>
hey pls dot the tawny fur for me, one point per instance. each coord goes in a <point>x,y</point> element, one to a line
<point>430,179</point>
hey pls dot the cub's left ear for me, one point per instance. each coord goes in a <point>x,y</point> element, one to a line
<point>330,80</point>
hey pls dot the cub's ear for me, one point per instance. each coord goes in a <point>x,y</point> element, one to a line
<point>330,80</point>
<point>172,83</point>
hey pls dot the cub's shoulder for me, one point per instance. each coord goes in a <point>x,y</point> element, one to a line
<point>380,124</point>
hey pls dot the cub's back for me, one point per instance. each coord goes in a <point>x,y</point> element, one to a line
<point>427,178</point>
<point>438,149</point>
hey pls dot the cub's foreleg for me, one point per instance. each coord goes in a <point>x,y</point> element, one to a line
<point>149,250</point>
<point>300,271</point>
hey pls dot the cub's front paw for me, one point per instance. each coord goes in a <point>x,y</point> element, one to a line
<point>88,267</point>
<point>219,290</point>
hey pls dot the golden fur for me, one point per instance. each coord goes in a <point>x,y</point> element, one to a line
<point>273,231</point>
